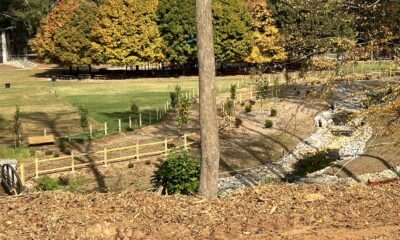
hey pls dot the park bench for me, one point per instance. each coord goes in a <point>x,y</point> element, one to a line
<point>40,140</point>
<point>103,77</point>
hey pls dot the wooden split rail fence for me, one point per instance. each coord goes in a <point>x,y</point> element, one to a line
<point>75,161</point>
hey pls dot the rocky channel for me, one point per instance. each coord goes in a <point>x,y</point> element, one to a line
<point>349,139</point>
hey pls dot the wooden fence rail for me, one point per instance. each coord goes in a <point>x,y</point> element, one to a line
<point>104,158</point>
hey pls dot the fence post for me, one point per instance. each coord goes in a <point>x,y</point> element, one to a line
<point>130,122</point>
<point>240,97</point>
<point>91,131</point>
<point>22,173</point>
<point>44,132</point>
<point>194,94</point>
<point>167,104</point>
<point>69,134</point>
<point>150,116</point>
<point>140,119</point>
<point>157,114</point>
<point>185,141</point>
<point>137,150</point>
<point>105,128</point>
<point>36,168</point>
<point>119,125</point>
<point>72,161</point>
<point>105,156</point>
<point>166,146</point>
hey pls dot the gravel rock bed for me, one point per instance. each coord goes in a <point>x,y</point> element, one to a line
<point>349,147</point>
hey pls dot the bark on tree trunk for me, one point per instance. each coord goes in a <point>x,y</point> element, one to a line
<point>208,110</point>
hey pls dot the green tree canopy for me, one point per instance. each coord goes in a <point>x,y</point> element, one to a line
<point>232,30</point>
<point>313,27</point>
<point>73,39</point>
<point>25,16</point>
<point>176,22</point>
<point>233,38</point>
<point>126,33</point>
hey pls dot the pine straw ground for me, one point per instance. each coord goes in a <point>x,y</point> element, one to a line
<point>276,211</point>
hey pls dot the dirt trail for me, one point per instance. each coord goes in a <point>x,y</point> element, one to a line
<point>276,211</point>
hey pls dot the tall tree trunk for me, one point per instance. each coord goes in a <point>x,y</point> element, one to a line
<point>208,108</point>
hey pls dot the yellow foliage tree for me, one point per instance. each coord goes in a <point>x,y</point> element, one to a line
<point>126,33</point>
<point>265,34</point>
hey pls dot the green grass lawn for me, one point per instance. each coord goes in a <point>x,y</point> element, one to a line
<point>49,106</point>
<point>109,101</point>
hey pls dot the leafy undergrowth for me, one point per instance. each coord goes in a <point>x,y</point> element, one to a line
<point>275,211</point>
<point>312,164</point>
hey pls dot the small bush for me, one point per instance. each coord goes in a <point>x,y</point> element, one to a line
<point>274,112</point>
<point>248,108</point>
<point>84,115</point>
<point>238,122</point>
<point>252,102</point>
<point>63,180</point>
<point>135,111</point>
<point>268,124</point>
<point>46,183</point>
<point>312,163</point>
<point>179,173</point>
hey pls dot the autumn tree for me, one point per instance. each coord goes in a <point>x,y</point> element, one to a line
<point>208,110</point>
<point>126,33</point>
<point>43,44</point>
<point>266,36</point>
<point>72,41</point>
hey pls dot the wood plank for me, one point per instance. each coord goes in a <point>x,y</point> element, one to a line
<point>37,140</point>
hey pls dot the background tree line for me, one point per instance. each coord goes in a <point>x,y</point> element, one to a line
<point>132,32</point>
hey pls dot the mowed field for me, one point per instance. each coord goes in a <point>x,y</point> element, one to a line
<point>45,105</point>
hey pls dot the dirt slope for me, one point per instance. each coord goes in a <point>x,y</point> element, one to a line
<point>277,211</point>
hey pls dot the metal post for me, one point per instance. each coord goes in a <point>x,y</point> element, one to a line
<point>119,125</point>
<point>105,128</point>
<point>157,114</point>
<point>130,122</point>
<point>44,132</point>
<point>140,120</point>
<point>91,131</point>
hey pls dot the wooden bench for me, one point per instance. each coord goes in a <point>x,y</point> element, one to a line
<point>39,140</point>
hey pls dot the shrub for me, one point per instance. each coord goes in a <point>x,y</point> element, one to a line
<point>238,122</point>
<point>175,96</point>
<point>46,183</point>
<point>135,111</point>
<point>248,108</point>
<point>229,107</point>
<point>274,112</point>
<point>312,163</point>
<point>179,173</point>
<point>268,123</point>
<point>84,114</point>
<point>233,91</point>
<point>182,112</point>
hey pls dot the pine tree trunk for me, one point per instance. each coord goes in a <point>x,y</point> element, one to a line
<point>208,109</point>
